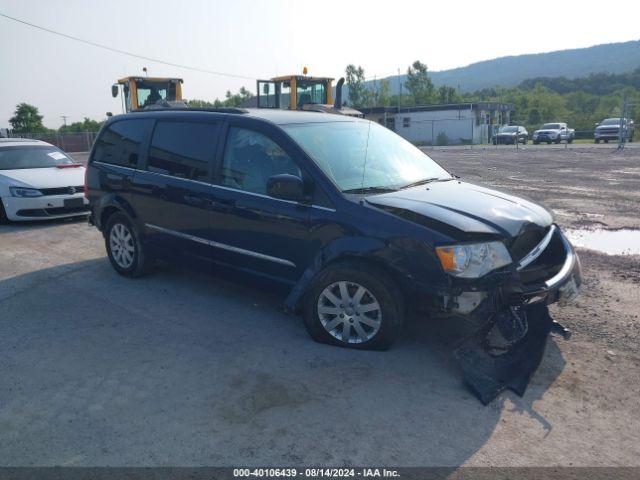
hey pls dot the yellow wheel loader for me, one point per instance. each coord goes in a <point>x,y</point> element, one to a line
<point>302,92</point>
<point>148,92</point>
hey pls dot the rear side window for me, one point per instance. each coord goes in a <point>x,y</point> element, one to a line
<point>120,143</point>
<point>183,149</point>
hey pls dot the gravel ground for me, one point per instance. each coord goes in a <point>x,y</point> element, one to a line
<point>180,368</point>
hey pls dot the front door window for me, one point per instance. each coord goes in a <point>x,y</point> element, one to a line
<point>250,158</point>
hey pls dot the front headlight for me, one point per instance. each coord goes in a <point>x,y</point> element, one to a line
<point>473,260</point>
<point>25,192</point>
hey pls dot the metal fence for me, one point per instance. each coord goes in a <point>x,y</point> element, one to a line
<point>69,142</point>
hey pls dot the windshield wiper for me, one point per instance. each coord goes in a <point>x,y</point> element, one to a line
<point>425,181</point>
<point>370,190</point>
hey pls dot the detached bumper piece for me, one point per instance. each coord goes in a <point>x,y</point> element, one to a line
<point>506,352</point>
<point>508,348</point>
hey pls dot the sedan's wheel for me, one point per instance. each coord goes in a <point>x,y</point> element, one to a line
<point>3,215</point>
<point>354,305</point>
<point>349,312</point>
<point>126,253</point>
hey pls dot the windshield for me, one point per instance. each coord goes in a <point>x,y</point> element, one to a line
<point>551,126</point>
<point>151,92</point>
<point>509,129</point>
<point>611,121</point>
<point>13,158</point>
<point>363,154</point>
<point>308,93</point>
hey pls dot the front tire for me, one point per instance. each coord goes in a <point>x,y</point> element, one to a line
<point>354,305</point>
<point>3,215</point>
<point>127,254</point>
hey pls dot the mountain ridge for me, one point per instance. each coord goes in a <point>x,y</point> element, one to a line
<point>512,70</point>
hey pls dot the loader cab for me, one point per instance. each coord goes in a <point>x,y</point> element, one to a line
<point>294,92</point>
<point>144,92</point>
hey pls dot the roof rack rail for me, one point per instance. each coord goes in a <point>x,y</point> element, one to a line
<point>235,110</point>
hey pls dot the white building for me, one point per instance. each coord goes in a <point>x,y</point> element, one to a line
<point>460,123</point>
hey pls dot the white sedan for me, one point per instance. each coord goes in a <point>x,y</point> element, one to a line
<point>38,181</point>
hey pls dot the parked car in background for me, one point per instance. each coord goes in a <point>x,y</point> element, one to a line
<point>554,132</point>
<point>609,129</point>
<point>511,134</point>
<point>39,181</point>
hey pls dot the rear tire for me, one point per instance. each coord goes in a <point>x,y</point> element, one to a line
<point>355,298</point>
<point>597,141</point>
<point>606,141</point>
<point>126,252</point>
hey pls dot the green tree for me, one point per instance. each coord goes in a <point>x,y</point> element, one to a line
<point>447,94</point>
<point>87,125</point>
<point>419,84</point>
<point>383,95</point>
<point>359,95</point>
<point>230,100</point>
<point>26,119</point>
<point>197,103</point>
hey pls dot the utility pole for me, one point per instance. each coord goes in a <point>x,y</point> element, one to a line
<point>64,120</point>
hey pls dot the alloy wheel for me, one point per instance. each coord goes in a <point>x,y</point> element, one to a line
<point>122,245</point>
<point>349,312</point>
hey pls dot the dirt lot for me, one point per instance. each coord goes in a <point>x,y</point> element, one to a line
<point>180,368</point>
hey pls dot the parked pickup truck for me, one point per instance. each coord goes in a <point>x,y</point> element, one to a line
<point>554,132</point>
<point>608,130</point>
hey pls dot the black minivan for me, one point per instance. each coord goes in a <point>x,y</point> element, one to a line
<point>358,222</point>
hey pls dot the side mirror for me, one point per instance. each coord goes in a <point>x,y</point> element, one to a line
<point>285,187</point>
<point>597,124</point>
<point>114,90</point>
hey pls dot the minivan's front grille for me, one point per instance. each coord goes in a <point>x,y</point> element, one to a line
<point>63,190</point>
<point>526,241</point>
<point>548,263</point>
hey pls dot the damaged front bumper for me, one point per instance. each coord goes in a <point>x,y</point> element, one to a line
<point>514,320</point>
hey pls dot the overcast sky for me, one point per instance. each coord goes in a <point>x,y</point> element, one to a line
<point>270,37</point>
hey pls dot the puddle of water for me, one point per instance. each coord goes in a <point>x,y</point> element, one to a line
<point>611,242</point>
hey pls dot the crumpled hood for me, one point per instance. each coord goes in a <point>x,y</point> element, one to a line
<point>469,208</point>
<point>52,177</point>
